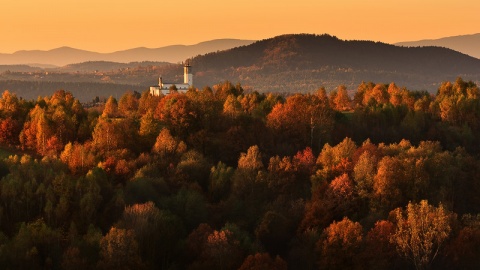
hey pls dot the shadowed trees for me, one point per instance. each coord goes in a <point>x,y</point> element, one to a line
<point>231,178</point>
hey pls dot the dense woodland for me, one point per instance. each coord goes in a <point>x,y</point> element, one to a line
<point>222,178</point>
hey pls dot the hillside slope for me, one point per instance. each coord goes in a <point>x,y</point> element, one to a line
<point>304,62</point>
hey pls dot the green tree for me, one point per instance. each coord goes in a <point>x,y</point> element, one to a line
<point>36,246</point>
<point>194,168</point>
<point>220,181</point>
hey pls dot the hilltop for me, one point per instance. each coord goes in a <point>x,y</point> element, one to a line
<point>303,62</point>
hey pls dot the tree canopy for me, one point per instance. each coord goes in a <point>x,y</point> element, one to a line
<point>228,178</point>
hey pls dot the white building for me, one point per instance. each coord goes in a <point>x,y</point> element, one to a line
<point>164,88</point>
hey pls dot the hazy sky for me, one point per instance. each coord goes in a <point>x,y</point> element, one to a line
<point>107,25</point>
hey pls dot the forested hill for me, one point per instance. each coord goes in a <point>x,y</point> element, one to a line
<point>304,62</point>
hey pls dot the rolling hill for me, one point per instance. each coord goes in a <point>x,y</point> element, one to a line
<point>304,62</point>
<point>288,63</point>
<point>66,55</point>
<point>467,44</point>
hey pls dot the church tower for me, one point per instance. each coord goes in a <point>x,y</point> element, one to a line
<point>187,74</point>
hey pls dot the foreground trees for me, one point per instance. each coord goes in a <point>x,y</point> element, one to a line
<point>420,232</point>
<point>228,179</point>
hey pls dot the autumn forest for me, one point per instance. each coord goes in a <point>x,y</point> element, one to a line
<point>225,178</point>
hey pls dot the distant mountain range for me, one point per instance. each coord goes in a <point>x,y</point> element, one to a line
<point>104,66</point>
<point>287,63</point>
<point>66,55</point>
<point>305,62</point>
<point>467,44</point>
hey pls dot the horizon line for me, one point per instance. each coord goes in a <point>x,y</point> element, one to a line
<point>121,50</point>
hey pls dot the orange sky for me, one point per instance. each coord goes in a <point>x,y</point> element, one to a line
<point>107,25</point>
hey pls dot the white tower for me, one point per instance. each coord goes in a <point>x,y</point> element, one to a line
<point>187,74</point>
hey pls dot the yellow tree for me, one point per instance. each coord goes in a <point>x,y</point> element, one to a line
<point>249,166</point>
<point>395,94</point>
<point>106,135</point>
<point>111,108</point>
<point>128,104</point>
<point>340,245</point>
<point>177,112</point>
<point>167,146</point>
<point>378,93</point>
<point>147,102</point>
<point>232,107</point>
<point>149,129</point>
<point>420,231</point>
<point>364,172</point>
<point>9,103</point>
<point>341,100</point>
<point>302,120</point>
<point>250,102</point>
<point>388,183</point>
<point>79,158</point>
<point>252,160</point>
<point>37,131</point>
